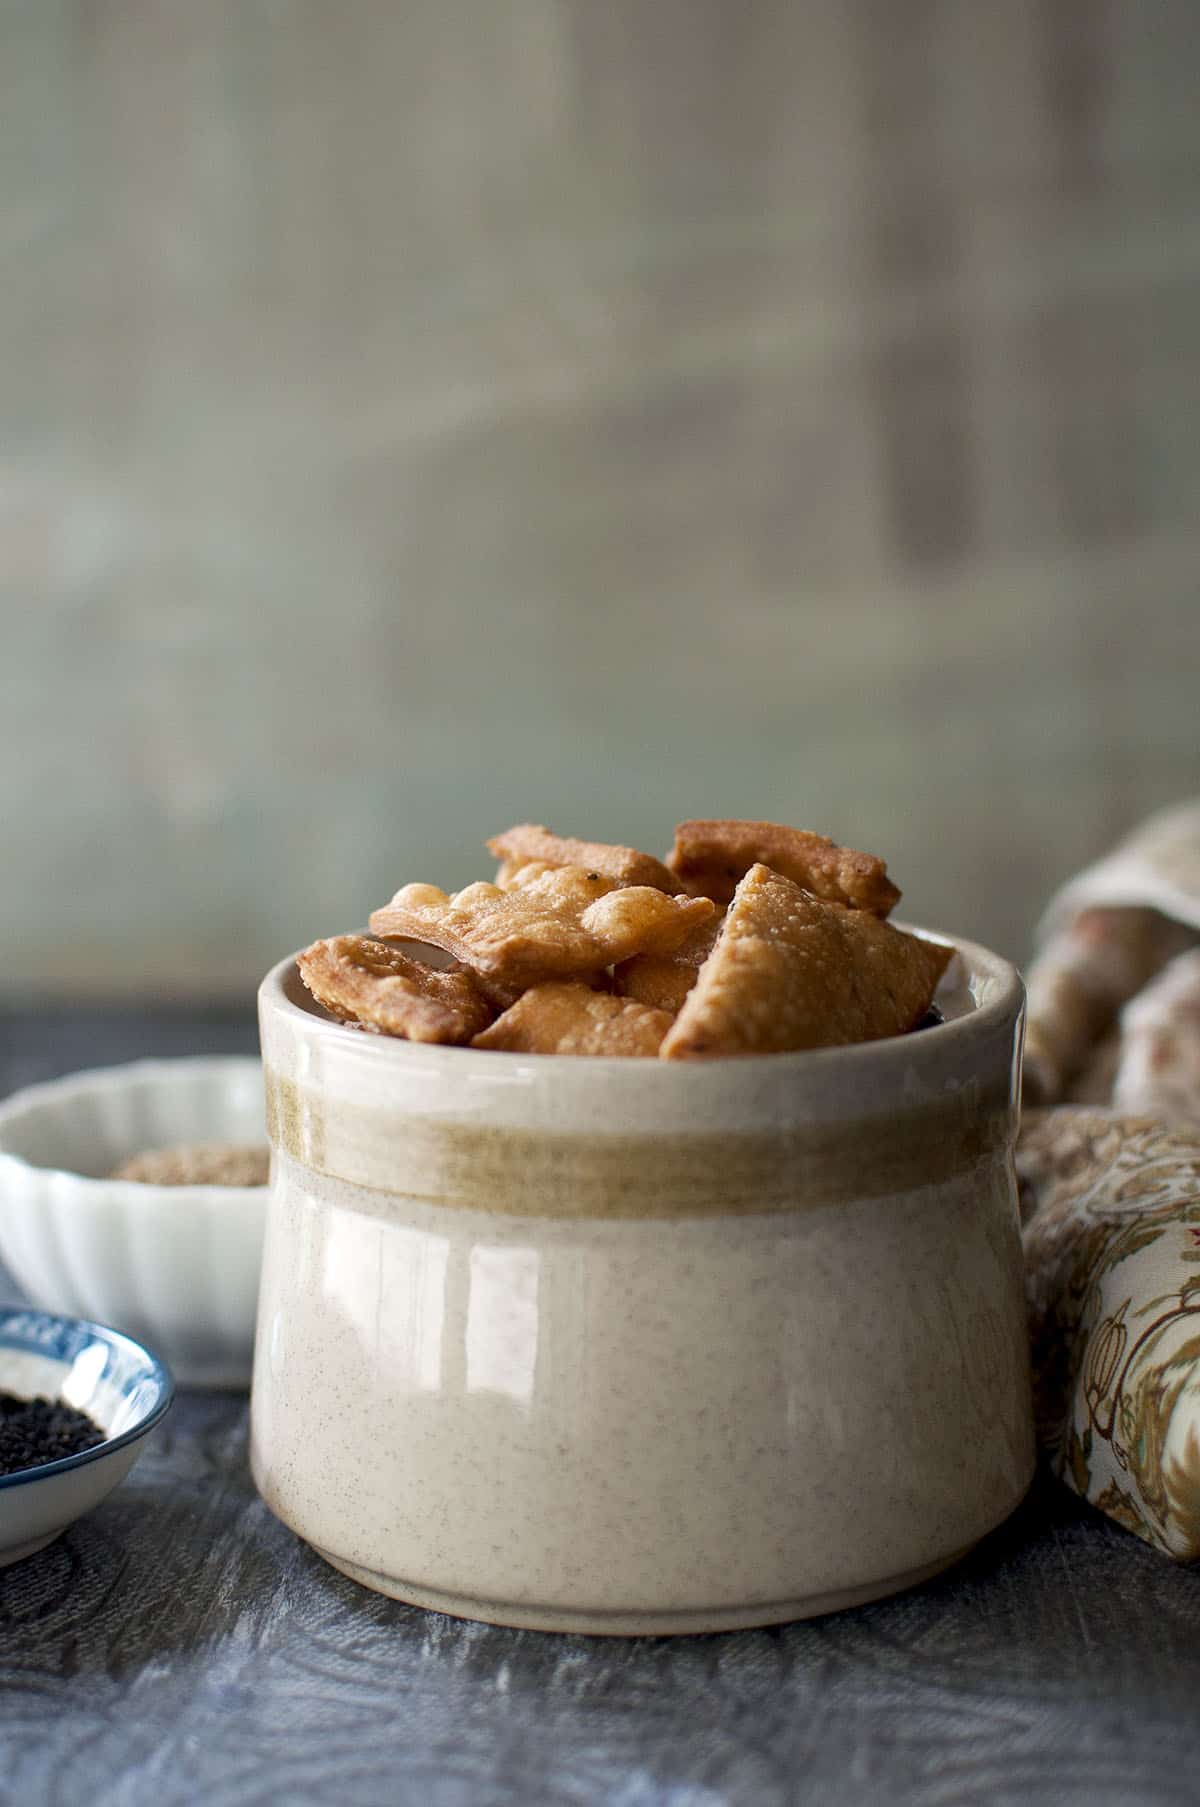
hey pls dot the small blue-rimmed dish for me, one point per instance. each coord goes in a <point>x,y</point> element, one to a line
<point>122,1387</point>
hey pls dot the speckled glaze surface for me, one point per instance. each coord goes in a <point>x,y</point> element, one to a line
<point>631,1346</point>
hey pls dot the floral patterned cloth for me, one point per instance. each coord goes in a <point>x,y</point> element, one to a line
<point>1112,1245</point>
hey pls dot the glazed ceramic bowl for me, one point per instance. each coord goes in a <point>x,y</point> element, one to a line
<point>643,1346</point>
<point>176,1266</point>
<point>121,1386</point>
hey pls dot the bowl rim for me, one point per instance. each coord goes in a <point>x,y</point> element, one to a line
<point>980,962</point>
<point>114,1079</point>
<point>157,1370</point>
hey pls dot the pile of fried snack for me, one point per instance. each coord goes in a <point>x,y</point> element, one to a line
<point>751,938</point>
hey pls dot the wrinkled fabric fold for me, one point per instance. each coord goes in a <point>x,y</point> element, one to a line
<point>1110,1182</point>
<point>1112,1249</point>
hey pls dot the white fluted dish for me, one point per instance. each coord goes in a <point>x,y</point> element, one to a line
<point>174,1266</point>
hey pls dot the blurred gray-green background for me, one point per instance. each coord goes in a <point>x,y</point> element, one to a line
<point>417,417</point>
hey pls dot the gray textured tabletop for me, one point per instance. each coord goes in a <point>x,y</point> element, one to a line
<point>179,1645</point>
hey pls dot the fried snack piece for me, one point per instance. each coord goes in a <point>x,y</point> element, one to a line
<point>1079,982</point>
<point>516,847</point>
<point>792,971</point>
<point>198,1164</point>
<point>709,858</point>
<point>571,1019</point>
<point>512,874</point>
<point>381,988</point>
<point>566,922</point>
<point>664,980</point>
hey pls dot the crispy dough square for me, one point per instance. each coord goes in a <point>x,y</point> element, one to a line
<point>791,971</point>
<point>565,923</point>
<point>709,858</point>
<point>664,980</point>
<point>382,989</point>
<point>512,874</point>
<point>527,841</point>
<point>571,1019</point>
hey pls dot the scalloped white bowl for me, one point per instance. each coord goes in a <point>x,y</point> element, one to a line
<point>174,1266</point>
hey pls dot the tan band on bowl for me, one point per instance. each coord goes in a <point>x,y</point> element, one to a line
<point>534,1173</point>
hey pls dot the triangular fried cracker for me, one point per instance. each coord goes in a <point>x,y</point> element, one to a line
<point>527,841</point>
<point>571,1019</point>
<point>790,971</point>
<point>381,988</point>
<point>568,922</point>
<point>709,858</point>
<point>664,980</point>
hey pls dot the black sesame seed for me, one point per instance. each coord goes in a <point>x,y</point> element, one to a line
<point>33,1431</point>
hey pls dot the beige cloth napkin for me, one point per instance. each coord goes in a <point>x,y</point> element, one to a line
<point>1110,1180</point>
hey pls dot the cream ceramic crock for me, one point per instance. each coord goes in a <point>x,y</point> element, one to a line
<point>642,1346</point>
